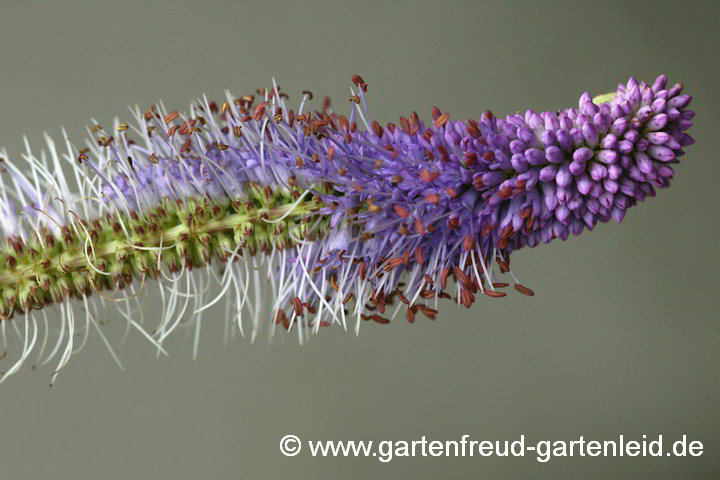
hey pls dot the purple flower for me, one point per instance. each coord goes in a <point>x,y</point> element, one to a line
<point>346,222</point>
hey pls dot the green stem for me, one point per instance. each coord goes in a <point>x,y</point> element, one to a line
<point>38,272</point>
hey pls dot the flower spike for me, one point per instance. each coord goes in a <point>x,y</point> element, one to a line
<point>336,224</point>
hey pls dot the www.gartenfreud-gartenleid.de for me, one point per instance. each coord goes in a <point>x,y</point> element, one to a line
<point>304,219</point>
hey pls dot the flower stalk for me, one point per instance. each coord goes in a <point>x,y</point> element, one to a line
<point>74,265</point>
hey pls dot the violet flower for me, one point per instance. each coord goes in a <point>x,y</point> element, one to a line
<point>333,223</point>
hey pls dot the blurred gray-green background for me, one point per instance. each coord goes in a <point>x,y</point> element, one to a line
<point>621,338</point>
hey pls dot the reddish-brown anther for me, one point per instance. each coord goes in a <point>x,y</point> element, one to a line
<point>395,262</point>
<point>171,116</point>
<point>462,278</point>
<point>477,182</point>
<point>524,290</point>
<point>468,243</point>
<point>404,125</point>
<point>427,176</point>
<point>504,267</point>
<point>494,294</point>
<point>427,311</point>
<point>441,120</point>
<point>298,306</point>
<point>466,298</point>
<point>259,111</point>
<point>281,318</point>
<point>401,211</point>
<point>419,256</point>
<point>436,113</point>
<point>377,129</point>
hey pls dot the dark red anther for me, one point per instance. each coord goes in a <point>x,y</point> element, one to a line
<point>505,192</point>
<point>442,151</point>
<point>428,176</point>
<point>524,290</point>
<point>282,318</point>
<point>259,111</point>
<point>441,120</point>
<point>470,158</point>
<point>442,281</point>
<point>428,293</point>
<point>486,230</point>
<point>410,314</point>
<point>298,306</point>
<point>401,211</point>
<point>377,129</point>
<point>414,119</point>
<point>419,256</point>
<point>466,298</point>
<point>462,278</point>
<point>150,112</point>
<point>432,198</point>
<point>473,131</point>
<point>427,311</point>
<point>468,243</point>
<point>172,130</point>
<point>404,125</point>
<point>436,113</point>
<point>507,231</point>
<point>477,182</point>
<point>494,294</point>
<point>171,116</point>
<point>504,267</point>
<point>395,262</point>
<point>402,297</point>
